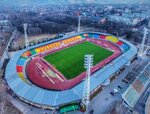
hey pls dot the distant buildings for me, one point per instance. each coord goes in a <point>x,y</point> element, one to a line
<point>5,26</point>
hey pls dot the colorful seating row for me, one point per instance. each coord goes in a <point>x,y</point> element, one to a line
<point>21,61</point>
<point>113,39</point>
<point>54,45</point>
<point>70,40</point>
<point>19,67</point>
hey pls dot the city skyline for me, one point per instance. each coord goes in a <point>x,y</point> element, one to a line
<point>36,2</point>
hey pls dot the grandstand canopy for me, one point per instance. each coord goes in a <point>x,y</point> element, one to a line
<point>50,99</point>
<point>135,90</point>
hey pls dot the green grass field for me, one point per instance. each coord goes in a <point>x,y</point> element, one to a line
<point>70,61</point>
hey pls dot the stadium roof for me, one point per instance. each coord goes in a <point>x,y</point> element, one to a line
<point>37,95</point>
<point>135,90</point>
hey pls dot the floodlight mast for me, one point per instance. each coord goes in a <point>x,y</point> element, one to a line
<point>25,35</point>
<point>141,50</point>
<point>88,63</point>
<point>79,23</point>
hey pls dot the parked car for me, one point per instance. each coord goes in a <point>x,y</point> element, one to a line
<point>119,87</point>
<point>113,92</point>
<point>125,81</point>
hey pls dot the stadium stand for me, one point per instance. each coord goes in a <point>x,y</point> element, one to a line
<point>47,48</point>
<point>102,36</point>
<point>19,68</point>
<point>112,39</point>
<point>119,43</point>
<point>135,90</point>
<point>68,84</point>
<point>71,40</point>
<point>82,36</point>
<point>50,99</point>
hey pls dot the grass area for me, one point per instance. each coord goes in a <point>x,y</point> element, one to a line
<point>70,61</point>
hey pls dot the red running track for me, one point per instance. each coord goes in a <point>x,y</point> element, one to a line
<point>36,76</point>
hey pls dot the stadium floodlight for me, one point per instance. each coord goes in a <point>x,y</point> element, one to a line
<point>25,35</point>
<point>9,43</point>
<point>88,63</point>
<point>79,23</point>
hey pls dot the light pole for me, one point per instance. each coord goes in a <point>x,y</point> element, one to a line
<point>88,63</point>
<point>25,35</point>
<point>79,22</point>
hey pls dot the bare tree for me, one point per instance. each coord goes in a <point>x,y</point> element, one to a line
<point>3,107</point>
<point>2,95</point>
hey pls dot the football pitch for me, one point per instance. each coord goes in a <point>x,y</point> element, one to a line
<point>70,61</point>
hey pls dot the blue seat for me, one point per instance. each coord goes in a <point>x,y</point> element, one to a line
<point>125,47</point>
<point>20,62</point>
<point>96,36</point>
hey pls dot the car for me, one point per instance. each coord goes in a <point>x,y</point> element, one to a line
<point>125,81</point>
<point>115,91</point>
<point>119,87</point>
<point>91,111</point>
<point>112,93</point>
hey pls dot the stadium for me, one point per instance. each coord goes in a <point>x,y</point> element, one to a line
<point>51,75</point>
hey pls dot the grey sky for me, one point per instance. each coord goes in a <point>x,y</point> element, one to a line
<point>101,1</point>
<point>77,1</point>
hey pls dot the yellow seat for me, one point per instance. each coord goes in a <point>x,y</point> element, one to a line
<point>74,38</point>
<point>48,47</point>
<point>78,37</point>
<point>58,43</point>
<point>37,50</point>
<point>112,39</point>
<point>21,75</point>
<point>66,42</point>
<point>42,49</point>
<point>70,40</point>
<point>55,44</point>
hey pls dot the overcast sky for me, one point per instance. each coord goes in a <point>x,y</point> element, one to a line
<point>98,1</point>
<point>110,1</point>
<point>76,1</point>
